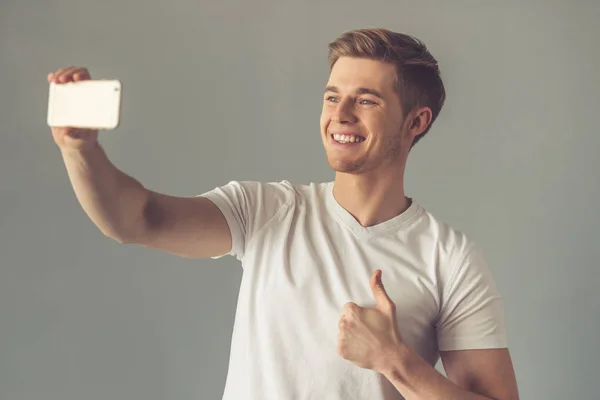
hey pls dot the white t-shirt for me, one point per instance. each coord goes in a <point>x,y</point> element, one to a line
<point>304,256</point>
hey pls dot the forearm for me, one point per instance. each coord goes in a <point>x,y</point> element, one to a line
<point>415,379</point>
<point>113,200</point>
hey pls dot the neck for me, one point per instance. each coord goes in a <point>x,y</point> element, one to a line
<point>371,199</point>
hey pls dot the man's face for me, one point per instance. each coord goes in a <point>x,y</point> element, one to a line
<point>362,124</point>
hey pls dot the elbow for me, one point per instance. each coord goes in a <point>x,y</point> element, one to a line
<point>119,237</point>
<point>131,228</point>
<point>122,239</point>
<point>132,233</point>
<point>514,396</point>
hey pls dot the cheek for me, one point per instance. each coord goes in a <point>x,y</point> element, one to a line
<point>325,118</point>
<point>386,125</point>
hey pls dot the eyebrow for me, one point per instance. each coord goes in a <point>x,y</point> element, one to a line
<point>361,90</point>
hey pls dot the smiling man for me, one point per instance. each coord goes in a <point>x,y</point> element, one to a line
<point>314,320</point>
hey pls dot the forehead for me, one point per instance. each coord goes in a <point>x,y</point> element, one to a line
<point>350,73</point>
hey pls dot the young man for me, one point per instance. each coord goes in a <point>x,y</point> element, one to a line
<point>314,320</point>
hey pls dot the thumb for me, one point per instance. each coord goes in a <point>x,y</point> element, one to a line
<point>382,300</point>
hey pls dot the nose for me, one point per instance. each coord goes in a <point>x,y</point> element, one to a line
<point>344,112</point>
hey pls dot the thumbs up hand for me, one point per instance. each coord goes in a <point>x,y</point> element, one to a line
<point>368,337</point>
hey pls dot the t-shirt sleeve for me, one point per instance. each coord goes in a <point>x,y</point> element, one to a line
<point>247,207</point>
<point>472,312</point>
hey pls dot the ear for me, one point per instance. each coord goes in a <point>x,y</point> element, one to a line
<point>419,120</point>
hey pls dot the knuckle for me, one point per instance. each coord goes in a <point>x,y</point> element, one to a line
<point>341,349</point>
<point>344,325</point>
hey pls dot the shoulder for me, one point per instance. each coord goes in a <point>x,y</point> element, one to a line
<point>460,262</point>
<point>452,245</point>
<point>288,190</point>
<point>275,193</point>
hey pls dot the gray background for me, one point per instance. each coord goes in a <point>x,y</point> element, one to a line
<point>232,90</point>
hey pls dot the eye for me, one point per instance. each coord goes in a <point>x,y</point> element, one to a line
<point>367,102</point>
<point>332,99</point>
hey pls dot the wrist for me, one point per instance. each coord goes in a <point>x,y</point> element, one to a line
<point>81,149</point>
<point>396,362</point>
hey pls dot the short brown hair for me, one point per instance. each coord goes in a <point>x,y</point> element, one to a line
<point>419,82</point>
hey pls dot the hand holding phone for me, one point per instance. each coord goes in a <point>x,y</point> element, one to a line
<point>78,107</point>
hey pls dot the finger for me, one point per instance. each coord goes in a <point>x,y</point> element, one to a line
<point>341,348</point>
<point>343,330</point>
<point>52,76</point>
<point>382,300</point>
<point>350,308</point>
<point>81,74</point>
<point>76,133</point>
<point>66,75</point>
<point>56,74</point>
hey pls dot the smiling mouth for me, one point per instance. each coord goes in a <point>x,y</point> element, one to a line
<point>342,138</point>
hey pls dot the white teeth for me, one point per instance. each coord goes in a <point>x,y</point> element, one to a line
<point>347,138</point>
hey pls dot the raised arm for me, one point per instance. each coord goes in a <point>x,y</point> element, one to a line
<point>124,209</point>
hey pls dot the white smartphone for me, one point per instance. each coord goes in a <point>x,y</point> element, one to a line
<point>92,104</point>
